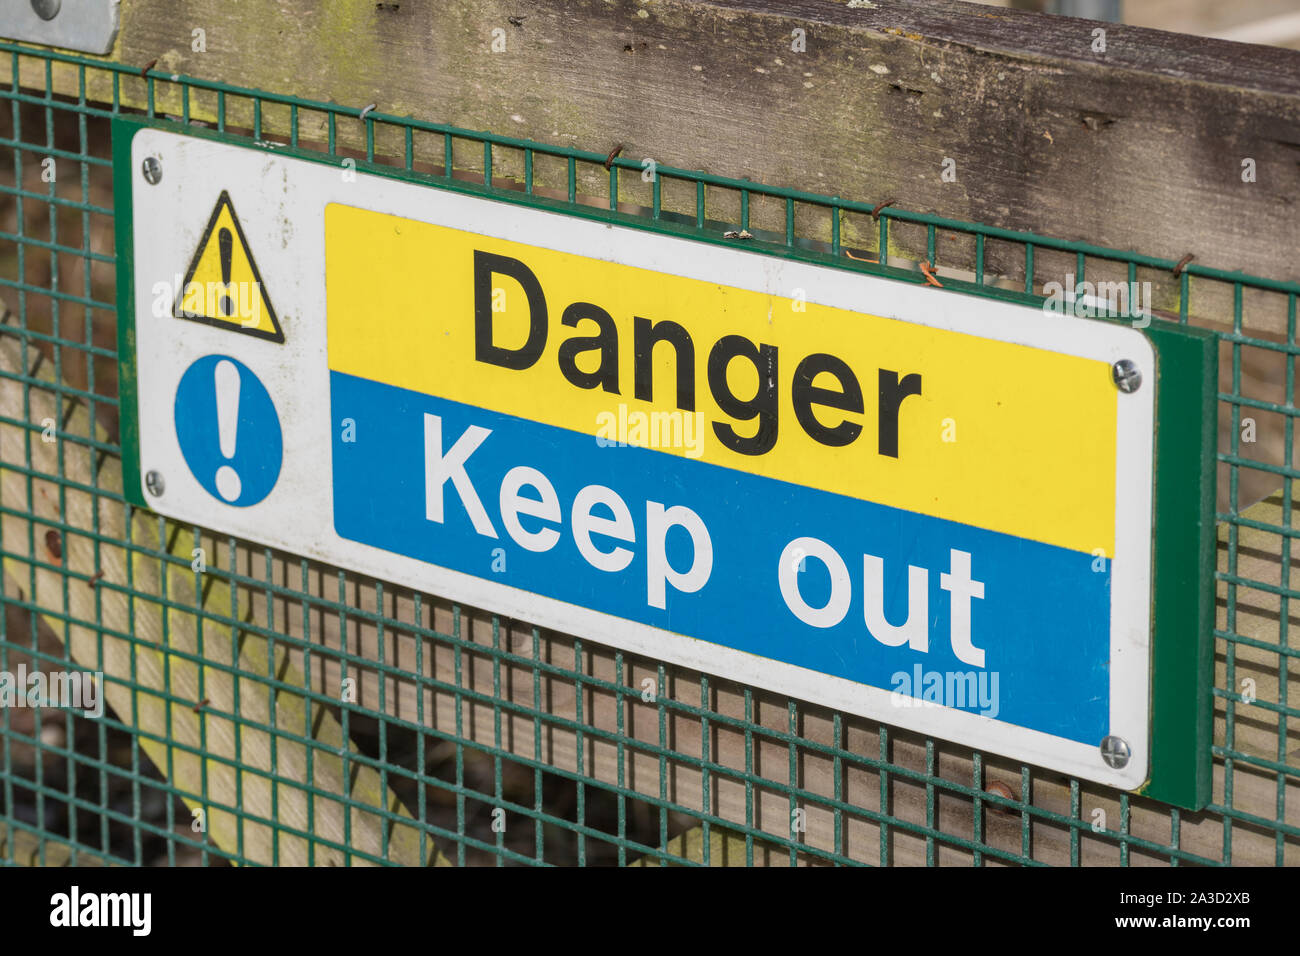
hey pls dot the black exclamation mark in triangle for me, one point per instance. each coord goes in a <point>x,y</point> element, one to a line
<point>224,243</point>
<point>238,306</point>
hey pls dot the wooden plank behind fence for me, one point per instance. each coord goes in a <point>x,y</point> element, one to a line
<point>1138,147</point>
<point>170,678</point>
<point>531,735</point>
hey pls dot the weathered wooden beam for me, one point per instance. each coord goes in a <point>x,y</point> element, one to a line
<point>1137,147</point>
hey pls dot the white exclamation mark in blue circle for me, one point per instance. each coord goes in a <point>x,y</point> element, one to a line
<point>226,376</point>
<point>228,430</point>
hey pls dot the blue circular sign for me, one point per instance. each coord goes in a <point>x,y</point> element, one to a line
<point>228,430</point>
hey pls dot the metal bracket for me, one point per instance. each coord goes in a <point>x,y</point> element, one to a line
<point>87,26</point>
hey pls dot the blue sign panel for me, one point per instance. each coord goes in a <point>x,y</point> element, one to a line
<point>636,534</point>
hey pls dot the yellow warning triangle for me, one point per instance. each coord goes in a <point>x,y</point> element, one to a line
<point>223,287</point>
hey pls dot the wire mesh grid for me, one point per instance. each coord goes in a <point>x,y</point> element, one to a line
<point>268,709</point>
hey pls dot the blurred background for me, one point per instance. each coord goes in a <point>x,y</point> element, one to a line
<point>1271,22</point>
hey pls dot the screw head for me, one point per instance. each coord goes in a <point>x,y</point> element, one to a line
<point>1126,376</point>
<point>1115,751</point>
<point>152,170</point>
<point>153,482</point>
<point>47,9</point>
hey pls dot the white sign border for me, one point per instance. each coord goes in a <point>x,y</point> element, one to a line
<point>281,200</point>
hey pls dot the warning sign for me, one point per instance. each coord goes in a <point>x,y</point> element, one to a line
<point>223,287</point>
<point>931,509</point>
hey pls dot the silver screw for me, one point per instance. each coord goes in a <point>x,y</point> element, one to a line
<point>153,481</point>
<point>1115,751</point>
<point>152,171</point>
<point>1126,375</point>
<point>47,9</point>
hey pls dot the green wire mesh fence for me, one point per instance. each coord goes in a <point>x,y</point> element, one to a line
<point>268,709</point>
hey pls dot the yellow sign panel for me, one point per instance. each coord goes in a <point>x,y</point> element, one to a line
<point>920,418</point>
<point>223,287</point>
